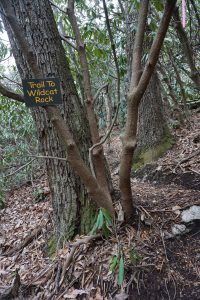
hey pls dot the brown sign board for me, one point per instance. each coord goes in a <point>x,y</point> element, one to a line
<point>42,92</point>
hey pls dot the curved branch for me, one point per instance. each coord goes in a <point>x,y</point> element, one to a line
<point>10,94</point>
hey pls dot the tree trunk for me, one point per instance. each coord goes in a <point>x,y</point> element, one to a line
<point>73,212</point>
<point>187,49</point>
<point>153,137</point>
<point>153,134</point>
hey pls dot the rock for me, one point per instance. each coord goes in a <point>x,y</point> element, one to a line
<point>179,229</point>
<point>190,214</point>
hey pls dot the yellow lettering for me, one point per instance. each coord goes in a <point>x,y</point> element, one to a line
<point>47,99</point>
<point>38,85</point>
<point>31,93</point>
<point>53,92</point>
<point>51,83</point>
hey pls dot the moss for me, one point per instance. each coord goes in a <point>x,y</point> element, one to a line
<point>150,155</point>
<point>52,246</point>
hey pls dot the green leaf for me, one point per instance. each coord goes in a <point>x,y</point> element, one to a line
<point>106,230</point>
<point>107,216</point>
<point>96,226</point>
<point>99,222</point>
<point>100,216</point>
<point>121,271</point>
<point>114,263</point>
<point>158,5</point>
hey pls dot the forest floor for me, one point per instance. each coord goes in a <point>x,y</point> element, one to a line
<point>159,263</point>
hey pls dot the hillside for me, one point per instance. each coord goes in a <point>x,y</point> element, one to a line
<point>159,262</point>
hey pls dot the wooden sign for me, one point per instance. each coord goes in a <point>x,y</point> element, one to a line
<point>41,92</point>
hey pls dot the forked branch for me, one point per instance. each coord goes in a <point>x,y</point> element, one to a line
<point>136,93</point>
<point>98,156</point>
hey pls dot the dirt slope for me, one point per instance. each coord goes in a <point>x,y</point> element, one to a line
<point>156,266</point>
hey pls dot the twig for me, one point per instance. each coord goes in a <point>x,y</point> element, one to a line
<point>68,42</point>
<point>186,159</point>
<point>102,140</point>
<point>167,289</point>
<point>10,94</point>
<point>48,271</point>
<point>194,171</point>
<point>11,80</point>
<point>28,240</point>
<point>71,254</point>
<point>174,297</point>
<point>118,90</point>
<point>48,157</point>
<point>122,8</point>
<point>163,242</point>
<point>22,167</point>
<point>55,5</point>
<point>99,91</point>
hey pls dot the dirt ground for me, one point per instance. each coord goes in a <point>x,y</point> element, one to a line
<point>157,266</point>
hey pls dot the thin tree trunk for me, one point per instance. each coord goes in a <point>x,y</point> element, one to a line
<point>187,49</point>
<point>138,85</point>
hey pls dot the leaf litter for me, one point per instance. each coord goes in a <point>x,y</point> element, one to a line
<point>152,266</point>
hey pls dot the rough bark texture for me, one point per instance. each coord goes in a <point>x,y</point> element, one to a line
<point>73,211</point>
<point>153,134</point>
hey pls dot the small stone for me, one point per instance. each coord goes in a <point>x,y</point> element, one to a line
<point>178,229</point>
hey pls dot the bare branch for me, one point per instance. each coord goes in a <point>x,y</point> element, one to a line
<point>55,5</point>
<point>77,244</point>
<point>11,80</point>
<point>106,136</point>
<point>98,156</point>
<point>187,49</point>
<point>10,94</point>
<point>48,157</point>
<point>19,169</point>
<point>155,49</point>
<point>122,8</point>
<point>68,42</point>
<point>138,44</point>
<point>99,91</point>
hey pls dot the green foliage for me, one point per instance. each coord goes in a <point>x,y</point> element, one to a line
<point>134,256</point>
<point>114,263</point>
<point>121,271</point>
<point>39,195</point>
<point>103,222</point>
<point>17,141</point>
<point>117,261</point>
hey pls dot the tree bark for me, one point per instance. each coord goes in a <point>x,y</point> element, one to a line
<point>73,211</point>
<point>152,130</point>
<point>153,134</point>
<point>138,86</point>
<point>187,49</point>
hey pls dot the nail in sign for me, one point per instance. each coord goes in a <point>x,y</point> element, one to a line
<point>42,92</point>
